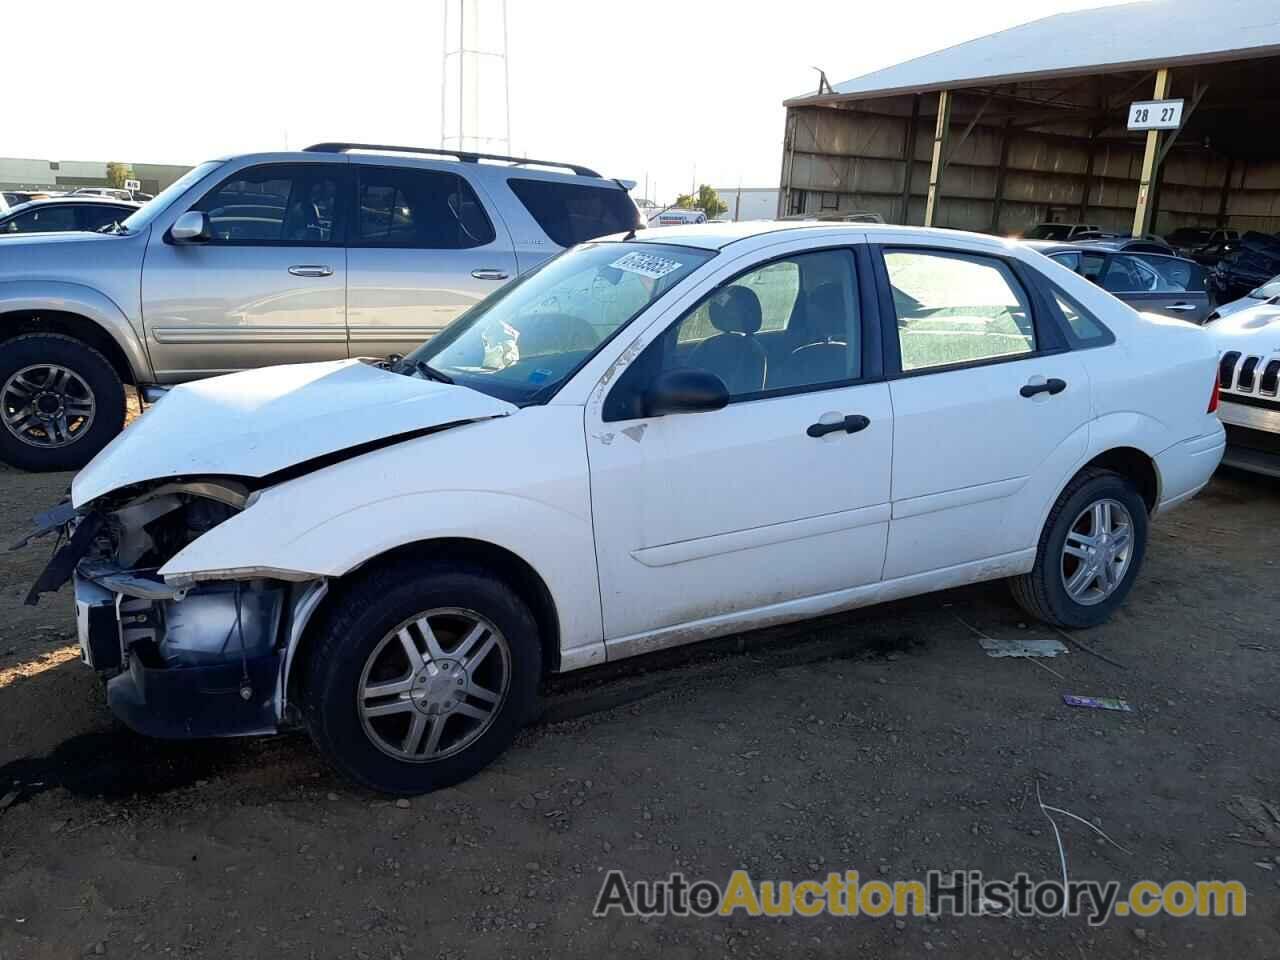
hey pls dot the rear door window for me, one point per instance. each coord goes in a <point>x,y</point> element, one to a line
<point>572,213</point>
<point>425,209</point>
<point>957,308</point>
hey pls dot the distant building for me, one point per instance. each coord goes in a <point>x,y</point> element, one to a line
<point>20,174</point>
<point>749,203</point>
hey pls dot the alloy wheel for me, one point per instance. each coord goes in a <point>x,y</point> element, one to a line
<point>433,685</point>
<point>47,405</point>
<point>1097,551</point>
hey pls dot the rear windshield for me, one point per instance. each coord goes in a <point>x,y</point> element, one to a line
<point>572,213</point>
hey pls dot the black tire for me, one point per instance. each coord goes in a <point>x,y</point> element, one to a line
<point>1042,592</point>
<point>94,370</point>
<point>359,618</point>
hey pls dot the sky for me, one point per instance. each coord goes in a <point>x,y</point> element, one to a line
<point>663,92</point>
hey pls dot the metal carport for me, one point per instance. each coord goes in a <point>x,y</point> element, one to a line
<point>1029,124</point>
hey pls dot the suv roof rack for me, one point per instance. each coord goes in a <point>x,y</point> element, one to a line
<point>463,155</point>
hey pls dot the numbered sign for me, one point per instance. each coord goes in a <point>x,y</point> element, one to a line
<point>1155,115</point>
<point>133,185</point>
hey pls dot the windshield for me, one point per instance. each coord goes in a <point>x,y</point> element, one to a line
<point>141,219</point>
<point>1268,290</point>
<point>527,339</point>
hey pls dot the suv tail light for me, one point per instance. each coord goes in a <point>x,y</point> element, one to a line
<point>1213,396</point>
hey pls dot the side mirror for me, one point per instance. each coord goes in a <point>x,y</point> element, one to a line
<point>191,227</point>
<point>685,391</point>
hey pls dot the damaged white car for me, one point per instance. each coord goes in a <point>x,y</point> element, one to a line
<point>644,443</point>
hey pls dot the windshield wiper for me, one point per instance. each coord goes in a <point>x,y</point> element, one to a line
<point>430,372</point>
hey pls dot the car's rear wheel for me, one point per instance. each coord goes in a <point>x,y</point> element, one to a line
<point>419,680</point>
<point>1089,552</point>
<point>61,401</point>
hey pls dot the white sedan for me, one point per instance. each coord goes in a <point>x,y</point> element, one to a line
<point>651,440</point>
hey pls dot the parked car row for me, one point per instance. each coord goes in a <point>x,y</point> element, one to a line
<point>1205,245</point>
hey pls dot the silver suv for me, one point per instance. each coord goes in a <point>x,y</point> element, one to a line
<point>339,250</point>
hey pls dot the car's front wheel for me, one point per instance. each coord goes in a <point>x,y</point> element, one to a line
<point>61,401</point>
<point>1089,552</point>
<point>421,679</point>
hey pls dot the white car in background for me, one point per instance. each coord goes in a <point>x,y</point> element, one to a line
<point>653,439</point>
<point>1266,297</point>
<point>1248,342</point>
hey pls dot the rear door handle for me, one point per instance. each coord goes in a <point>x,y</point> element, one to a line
<point>1051,386</point>
<point>490,274</point>
<point>850,424</point>
<point>1181,306</point>
<point>311,270</point>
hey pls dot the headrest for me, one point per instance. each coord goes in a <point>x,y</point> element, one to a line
<point>736,310</point>
<point>824,312</point>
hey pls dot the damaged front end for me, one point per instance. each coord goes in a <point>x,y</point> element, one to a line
<point>183,659</point>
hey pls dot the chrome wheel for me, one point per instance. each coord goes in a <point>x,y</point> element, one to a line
<point>47,405</point>
<point>434,684</point>
<point>1097,552</point>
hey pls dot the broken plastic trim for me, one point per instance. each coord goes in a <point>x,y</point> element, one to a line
<point>185,580</point>
<point>63,563</point>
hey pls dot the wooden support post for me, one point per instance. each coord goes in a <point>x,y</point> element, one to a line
<point>1150,163</point>
<point>1226,192</point>
<point>1086,188</point>
<point>909,160</point>
<point>940,135</point>
<point>788,163</point>
<point>997,202</point>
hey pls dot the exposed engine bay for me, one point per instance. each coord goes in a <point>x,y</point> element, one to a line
<point>183,659</point>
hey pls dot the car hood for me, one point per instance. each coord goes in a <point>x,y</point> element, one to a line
<point>1256,329</point>
<point>258,422</point>
<point>1236,306</point>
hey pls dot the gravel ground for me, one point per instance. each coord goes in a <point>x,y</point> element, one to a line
<point>883,741</point>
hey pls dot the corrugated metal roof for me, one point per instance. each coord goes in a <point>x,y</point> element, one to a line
<point>1133,35</point>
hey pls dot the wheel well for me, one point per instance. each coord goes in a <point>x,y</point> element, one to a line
<point>1134,465</point>
<point>511,569</point>
<point>70,325</point>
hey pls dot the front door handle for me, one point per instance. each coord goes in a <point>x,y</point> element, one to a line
<point>490,274</point>
<point>1051,386</point>
<point>311,270</point>
<point>1181,306</point>
<point>850,424</point>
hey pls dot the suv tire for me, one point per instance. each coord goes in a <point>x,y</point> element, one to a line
<point>406,724</point>
<point>61,401</point>
<point>1089,552</point>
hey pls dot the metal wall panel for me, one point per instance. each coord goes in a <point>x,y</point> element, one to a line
<point>857,154</point>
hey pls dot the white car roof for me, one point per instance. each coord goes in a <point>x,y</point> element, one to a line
<point>716,236</point>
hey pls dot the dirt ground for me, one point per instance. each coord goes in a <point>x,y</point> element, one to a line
<point>884,741</point>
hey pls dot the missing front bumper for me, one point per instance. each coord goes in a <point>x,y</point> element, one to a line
<point>232,699</point>
<point>204,663</point>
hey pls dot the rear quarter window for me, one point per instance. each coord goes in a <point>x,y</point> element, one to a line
<point>572,213</point>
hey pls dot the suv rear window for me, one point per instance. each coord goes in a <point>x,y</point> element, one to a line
<point>570,213</point>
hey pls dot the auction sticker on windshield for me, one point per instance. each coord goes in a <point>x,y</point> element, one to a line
<point>647,265</point>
